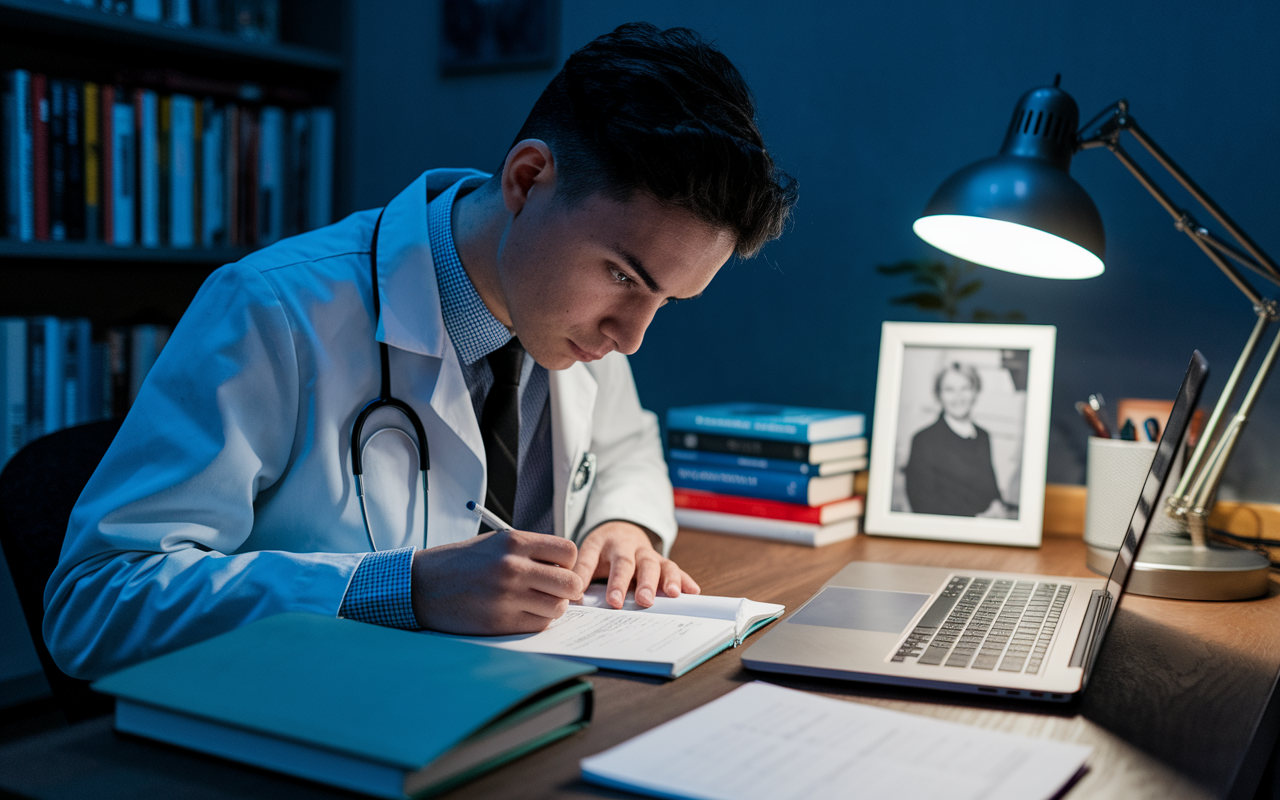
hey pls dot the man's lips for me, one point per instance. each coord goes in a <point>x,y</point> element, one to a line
<point>583,355</point>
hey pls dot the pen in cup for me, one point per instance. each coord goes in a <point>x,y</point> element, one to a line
<point>488,517</point>
<point>1094,421</point>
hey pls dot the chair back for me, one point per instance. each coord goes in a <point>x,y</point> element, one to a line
<point>38,488</point>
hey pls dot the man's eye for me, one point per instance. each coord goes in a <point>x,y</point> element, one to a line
<point>619,276</point>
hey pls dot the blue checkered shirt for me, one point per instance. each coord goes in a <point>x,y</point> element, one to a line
<point>379,591</point>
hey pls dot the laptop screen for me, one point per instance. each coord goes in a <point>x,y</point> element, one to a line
<point>1148,501</point>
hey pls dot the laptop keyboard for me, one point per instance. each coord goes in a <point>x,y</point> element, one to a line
<point>985,623</point>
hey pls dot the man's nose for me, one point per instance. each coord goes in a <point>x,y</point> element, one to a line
<point>627,329</point>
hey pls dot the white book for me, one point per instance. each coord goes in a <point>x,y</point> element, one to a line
<point>320,203</point>
<point>13,386</point>
<point>124,173</point>
<point>668,639</point>
<point>271,166</point>
<point>149,166</point>
<point>18,156</point>
<point>182,171</point>
<point>213,204</point>
<point>764,742</point>
<point>805,533</point>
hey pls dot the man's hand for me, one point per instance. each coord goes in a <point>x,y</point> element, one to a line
<point>621,551</point>
<point>496,583</point>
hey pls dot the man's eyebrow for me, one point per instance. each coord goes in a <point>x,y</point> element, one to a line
<point>638,267</point>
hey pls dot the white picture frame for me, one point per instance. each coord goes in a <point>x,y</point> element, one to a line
<point>978,364</point>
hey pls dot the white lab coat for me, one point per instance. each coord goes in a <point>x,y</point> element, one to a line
<point>228,494</point>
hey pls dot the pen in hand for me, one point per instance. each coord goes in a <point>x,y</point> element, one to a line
<point>488,517</point>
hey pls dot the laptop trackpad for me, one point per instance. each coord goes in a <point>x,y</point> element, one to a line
<point>861,609</point>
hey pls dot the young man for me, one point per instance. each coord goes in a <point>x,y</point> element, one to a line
<point>229,493</point>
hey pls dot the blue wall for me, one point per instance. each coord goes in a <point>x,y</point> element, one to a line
<point>871,105</point>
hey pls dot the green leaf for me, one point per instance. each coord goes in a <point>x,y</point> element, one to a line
<point>900,268</point>
<point>968,289</point>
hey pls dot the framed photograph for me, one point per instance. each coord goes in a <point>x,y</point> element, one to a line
<point>479,36</point>
<point>961,432</point>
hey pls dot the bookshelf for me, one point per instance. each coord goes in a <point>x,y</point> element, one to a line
<point>113,284</point>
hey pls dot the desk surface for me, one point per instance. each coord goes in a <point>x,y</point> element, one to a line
<point>1182,703</point>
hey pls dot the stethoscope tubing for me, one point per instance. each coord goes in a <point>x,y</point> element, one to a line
<point>385,400</point>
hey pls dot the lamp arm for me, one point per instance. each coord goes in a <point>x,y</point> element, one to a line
<point>1192,500</point>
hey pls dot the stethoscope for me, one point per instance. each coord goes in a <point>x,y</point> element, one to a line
<point>385,400</point>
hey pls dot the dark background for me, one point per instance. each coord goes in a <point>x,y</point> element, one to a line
<point>871,105</point>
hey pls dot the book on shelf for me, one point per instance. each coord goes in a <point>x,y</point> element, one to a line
<point>805,489</point>
<point>306,695</point>
<point>762,741</point>
<point>55,375</point>
<point>151,163</point>
<point>803,533</point>
<point>835,511</point>
<point>768,421</point>
<point>804,452</point>
<point>704,458</point>
<point>668,639</point>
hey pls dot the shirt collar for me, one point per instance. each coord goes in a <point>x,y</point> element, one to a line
<point>475,332</point>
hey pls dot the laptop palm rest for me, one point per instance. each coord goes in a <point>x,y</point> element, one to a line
<point>877,610</point>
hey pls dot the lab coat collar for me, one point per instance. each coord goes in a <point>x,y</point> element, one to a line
<point>407,288</point>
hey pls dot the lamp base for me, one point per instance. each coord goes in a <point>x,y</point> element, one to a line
<point>1170,566</point>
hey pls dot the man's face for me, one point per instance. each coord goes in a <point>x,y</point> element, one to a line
<point>580,282</point>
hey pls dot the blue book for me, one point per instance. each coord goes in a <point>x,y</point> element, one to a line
<point>385,712</point>
<point>768,421</point>
<point>716,460</point>
<point>809,490</point>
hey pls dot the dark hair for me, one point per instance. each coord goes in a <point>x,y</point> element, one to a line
<point>666,113</point>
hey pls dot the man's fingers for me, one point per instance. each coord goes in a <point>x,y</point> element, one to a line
<point>688,585</point>
<point>553,581</point>
<point>671,578</point>
<point>620,572</point>
<point>544,547</point>
<point>648,572</point>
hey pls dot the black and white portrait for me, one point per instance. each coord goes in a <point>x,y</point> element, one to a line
<point>960,435</point>
<point>960,431</point>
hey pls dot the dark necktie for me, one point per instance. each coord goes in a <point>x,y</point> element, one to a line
<point>500,428</point>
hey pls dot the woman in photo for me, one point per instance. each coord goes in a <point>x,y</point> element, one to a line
<point>950,470</point>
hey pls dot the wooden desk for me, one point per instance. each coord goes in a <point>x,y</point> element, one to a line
<point>1182,704</point>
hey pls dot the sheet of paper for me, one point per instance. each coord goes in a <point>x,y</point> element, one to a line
<point>764,742</point>
<point>620,635</point>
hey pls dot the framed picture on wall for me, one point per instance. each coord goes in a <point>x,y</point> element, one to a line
<point>478,36</point>
<point>961,432</point>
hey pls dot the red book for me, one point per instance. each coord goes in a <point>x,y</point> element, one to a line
<point>40,153</point>
<point>769,509</point>
<point>106,110</point>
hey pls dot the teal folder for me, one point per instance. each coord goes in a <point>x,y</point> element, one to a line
<point>377,710</point>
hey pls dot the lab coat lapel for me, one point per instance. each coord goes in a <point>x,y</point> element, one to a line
<point>573,400</point>
<point>410,317</point>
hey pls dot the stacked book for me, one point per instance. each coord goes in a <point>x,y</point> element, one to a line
<point>778,472</point>
<point>55,374</point>
<point>161,159</point>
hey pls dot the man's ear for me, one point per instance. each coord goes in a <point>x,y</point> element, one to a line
<point>529,166</point>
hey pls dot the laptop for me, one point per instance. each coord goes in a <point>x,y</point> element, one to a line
<point>1009,634</point>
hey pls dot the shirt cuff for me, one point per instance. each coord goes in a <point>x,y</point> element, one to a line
<point>380,591</point>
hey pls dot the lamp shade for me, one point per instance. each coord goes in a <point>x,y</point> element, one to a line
<point>1021,211</point>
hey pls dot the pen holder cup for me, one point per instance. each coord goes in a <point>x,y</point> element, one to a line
<point>1114,475</point>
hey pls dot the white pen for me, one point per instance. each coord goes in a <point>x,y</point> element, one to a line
<point>488,517</point>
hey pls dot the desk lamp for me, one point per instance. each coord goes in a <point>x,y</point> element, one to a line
<point>1021,211</point>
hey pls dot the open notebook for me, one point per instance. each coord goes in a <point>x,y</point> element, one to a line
<point>672,637</point>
